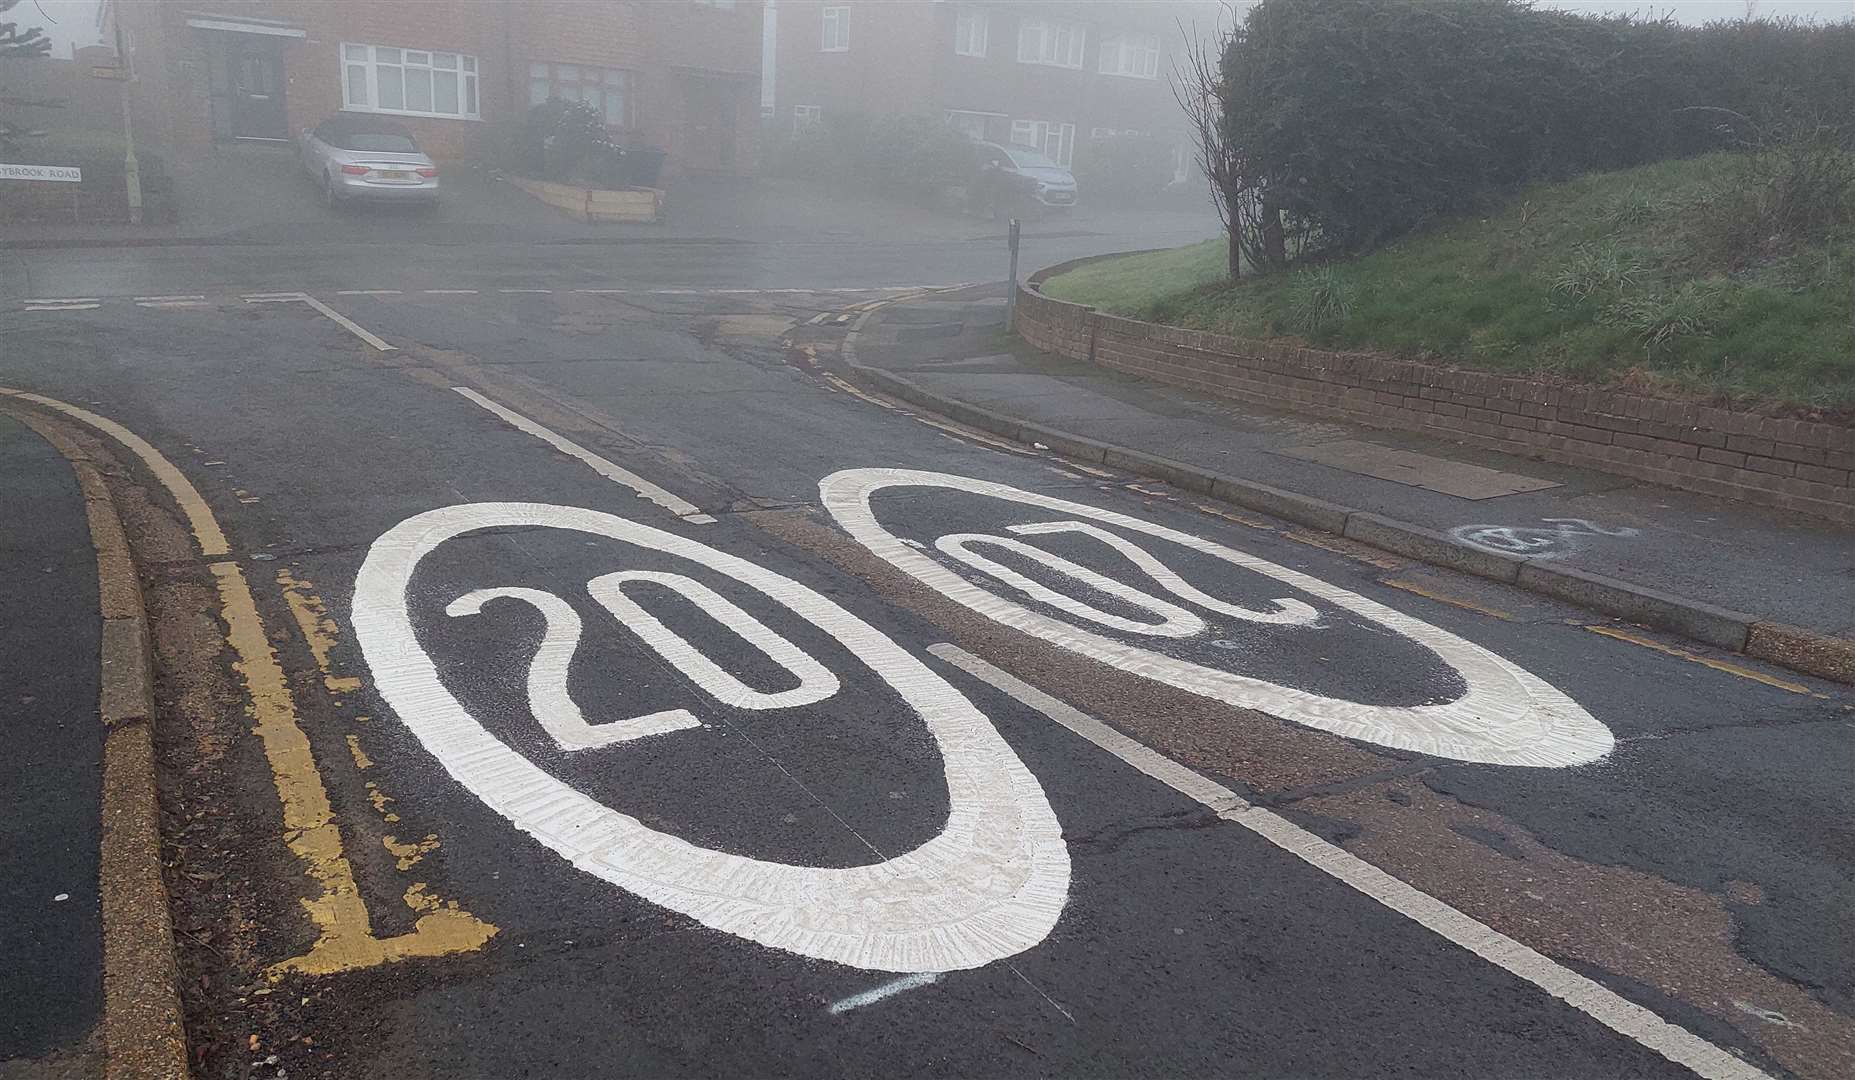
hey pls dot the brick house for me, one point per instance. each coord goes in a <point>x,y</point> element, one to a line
<point>1052,74</point>
<point>682,76</point>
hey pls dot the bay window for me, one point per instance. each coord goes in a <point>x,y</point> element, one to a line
<point>1054,141</point>
<point>605,89</point>
<point>408,82</point>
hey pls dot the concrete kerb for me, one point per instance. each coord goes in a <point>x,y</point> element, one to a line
<point>143,1033</point>
<point>1797,648</point>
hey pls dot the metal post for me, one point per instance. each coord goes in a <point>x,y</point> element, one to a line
<point>131,172</point>
<point>1011,295</point>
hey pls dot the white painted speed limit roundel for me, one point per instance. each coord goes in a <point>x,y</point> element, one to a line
<point>990,885</point>
<point>1507,715</point>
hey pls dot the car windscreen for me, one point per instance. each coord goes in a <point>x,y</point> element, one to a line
<point>1030,159</point>
<point>378,142</point>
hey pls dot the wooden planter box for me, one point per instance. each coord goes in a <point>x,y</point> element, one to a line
<point>636,205</point>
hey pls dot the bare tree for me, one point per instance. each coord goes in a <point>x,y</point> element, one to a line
<point>1196,86</point>
<point>1240,192</point>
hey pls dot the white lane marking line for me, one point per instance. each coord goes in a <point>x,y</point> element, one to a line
<point>886,990</point>
<point>177,296</point>
<point>1615,1012</point>
<point>273,296</point>
<point>173,303</point>
<point>624,477</point>
<point>62,307</point>
<point>450,292</point>
<point>367,292</point>
<point>205,527</point>
<point>989,884</point>
<point>348,324</point>
<point>61,300</point>
<point>524,290</point>
<point>602,292</point>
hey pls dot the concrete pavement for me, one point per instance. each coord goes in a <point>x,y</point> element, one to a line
<point>1287,807</point>
<point>1786,568</point>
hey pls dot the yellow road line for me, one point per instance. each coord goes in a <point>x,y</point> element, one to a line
<point>1705,661</point>
<point>1231,515</point>
<point>346,940</point>
<point>855,392</point>
<point>199,516</point>
<point>1453,601</point>
<point>1358,553</point>
<point>318,629</point>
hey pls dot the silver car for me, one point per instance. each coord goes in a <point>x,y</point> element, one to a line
<point>358,157</point>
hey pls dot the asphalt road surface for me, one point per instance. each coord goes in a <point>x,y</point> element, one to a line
<point>679,710</point>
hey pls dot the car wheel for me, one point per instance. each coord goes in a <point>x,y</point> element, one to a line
<point>329,198</point>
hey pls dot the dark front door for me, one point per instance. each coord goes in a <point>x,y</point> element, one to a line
<point>256,70</point>
<point>709,115</point>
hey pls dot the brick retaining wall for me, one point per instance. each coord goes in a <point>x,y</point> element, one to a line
<point>1791,464</point>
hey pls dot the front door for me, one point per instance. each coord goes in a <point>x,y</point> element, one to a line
<point>709,114</point>
<point>256,69</point>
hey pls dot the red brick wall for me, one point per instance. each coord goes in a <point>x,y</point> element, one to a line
<point>662,44</point>
<point>1791,464</point>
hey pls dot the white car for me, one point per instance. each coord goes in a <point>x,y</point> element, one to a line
<point>358,157</point>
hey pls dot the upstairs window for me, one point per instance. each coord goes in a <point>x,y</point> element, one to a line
<point>836,29</point>
<point>1050,41</point>
<point>605,89</point>
<point>1133,55</point>
<point>806,116</point>
<point>970,29</point>
<point>408,82</point>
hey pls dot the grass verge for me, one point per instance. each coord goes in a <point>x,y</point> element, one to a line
<point>1670,278</point>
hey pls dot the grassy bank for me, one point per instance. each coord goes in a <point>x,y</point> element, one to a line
<point>1671,277</point>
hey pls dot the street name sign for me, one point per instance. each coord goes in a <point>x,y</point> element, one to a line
<point>69,174</point>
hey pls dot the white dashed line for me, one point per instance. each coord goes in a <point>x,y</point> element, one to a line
<point>1605,1006</point>
<point>163,299</point>
<point>531,292</point>
<point>62,300</point>
<point>677,505</point>
<point>367,292</point>
<point>450,292</point>
<point>63,306</point>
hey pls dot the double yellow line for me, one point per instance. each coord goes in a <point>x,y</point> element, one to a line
<point>346,939</point>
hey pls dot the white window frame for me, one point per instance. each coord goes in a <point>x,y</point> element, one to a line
<point>1042,41</point>
<point>972,31</point>
<point>804,116</point>
<point>1056,141</point>
<point>836,29</point>
<point>363,59</point>
<point>1130,56</point>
